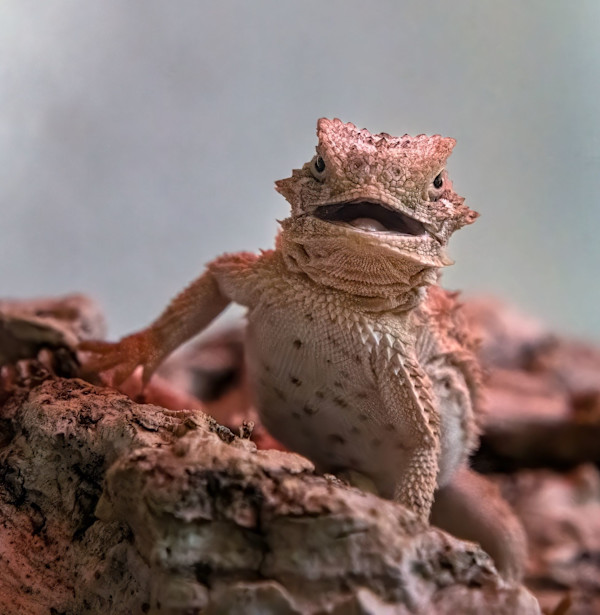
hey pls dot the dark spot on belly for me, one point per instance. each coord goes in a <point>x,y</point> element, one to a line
<point>357,359</point>
<point>295,381</point>
<point>310,410</point>
<point>355,430</point>
<point>335,438</point>
<point>344,374</point>
<point>338,384</point>
<point>363,417</point>
<point>390,426</point>
<point>362,395</point>
<point>296,415</point>
<point>341,402</point>
<point>266,368</point>
<point>376,442</point>
<point>297,344</point>
<point>279,393</point>
<point>320,394</point>
<point>400,446</point>
<point>309,317</point>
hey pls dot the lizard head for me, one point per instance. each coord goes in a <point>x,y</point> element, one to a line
<point>394,190</point>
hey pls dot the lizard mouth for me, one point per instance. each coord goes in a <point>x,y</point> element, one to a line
<point>370,216</point>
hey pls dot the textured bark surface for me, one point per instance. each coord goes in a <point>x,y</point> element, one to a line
<point>55,323</point>
<point>543,394</point>
<point>109,506</point>
<point>561,515</point>
<point>541,439</point>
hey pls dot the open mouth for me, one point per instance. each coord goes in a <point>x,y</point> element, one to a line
<point>370,216</point>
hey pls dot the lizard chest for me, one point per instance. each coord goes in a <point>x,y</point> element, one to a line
<point>314,385</point>
<point>298,354</point>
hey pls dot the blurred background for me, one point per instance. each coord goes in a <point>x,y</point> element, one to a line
<point>140,139</point>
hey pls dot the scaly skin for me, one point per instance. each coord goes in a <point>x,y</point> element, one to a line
<point>356,358</point>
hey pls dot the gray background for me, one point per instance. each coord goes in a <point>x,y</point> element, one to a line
<point>141,138</point>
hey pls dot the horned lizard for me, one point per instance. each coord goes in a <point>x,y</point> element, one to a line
<point>357,359</point>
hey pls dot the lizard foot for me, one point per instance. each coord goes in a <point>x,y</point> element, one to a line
<point>121,358</point>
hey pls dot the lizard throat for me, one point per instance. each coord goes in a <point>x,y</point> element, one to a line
<point>335,258</point>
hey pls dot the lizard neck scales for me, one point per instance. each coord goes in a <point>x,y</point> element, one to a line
<point>380,280</point>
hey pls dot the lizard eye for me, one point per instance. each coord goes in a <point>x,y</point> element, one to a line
<point>317,167</point>
<point>438,185</point>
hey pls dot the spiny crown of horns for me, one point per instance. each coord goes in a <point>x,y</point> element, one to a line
<point>422,154</point>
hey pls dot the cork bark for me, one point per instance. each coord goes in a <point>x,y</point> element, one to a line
<point>109,506</point>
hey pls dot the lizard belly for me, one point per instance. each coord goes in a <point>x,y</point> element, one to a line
<point>316,393</point>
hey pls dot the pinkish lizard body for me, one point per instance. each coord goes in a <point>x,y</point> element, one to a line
<point>357,359</point>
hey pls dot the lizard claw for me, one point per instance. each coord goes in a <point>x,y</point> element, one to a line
<point>122,358</point>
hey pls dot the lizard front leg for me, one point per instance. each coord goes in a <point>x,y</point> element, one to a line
<point>405,390</point>
<point>189,312</point>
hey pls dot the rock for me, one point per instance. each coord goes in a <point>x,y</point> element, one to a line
<point>109,506</point>
<point>542,429</point>
<point>212,370</point>
<point>561,515</point>
<point>28,326</point>
<point>542,393</point>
